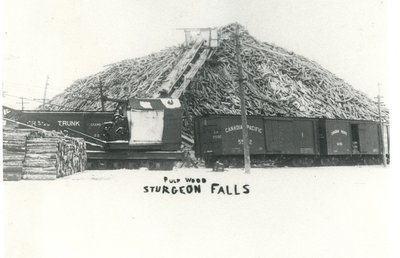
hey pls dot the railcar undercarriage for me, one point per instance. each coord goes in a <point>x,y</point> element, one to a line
<point>261,161</point>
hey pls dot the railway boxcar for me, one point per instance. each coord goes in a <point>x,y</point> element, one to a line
<point>351,141</point>
<point>288,141</point>
<point>222,135</point>
<point>345,137</point>
<point>271,139</point>
<point>292,136</point>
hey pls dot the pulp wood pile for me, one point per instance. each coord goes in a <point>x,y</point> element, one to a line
<point>14,149</point>
<point>52,155</point>
<point>44,155</point>
<point>278,83</point>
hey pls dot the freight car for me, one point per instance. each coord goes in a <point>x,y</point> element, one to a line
<point>142,132</point>
<point>282,141</point>
<point>88,123</point>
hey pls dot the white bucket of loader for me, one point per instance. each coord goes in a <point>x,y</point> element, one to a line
<point>146,118</point>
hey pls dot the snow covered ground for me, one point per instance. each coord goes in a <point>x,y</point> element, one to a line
<point>282,212</point>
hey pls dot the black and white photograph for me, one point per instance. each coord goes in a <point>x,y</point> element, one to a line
<point>203,128</point>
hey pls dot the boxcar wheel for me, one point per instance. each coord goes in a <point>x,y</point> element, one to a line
<point>308,162</point>
<point>297,162</point>
<point>167,164</point>
<point>325,161</point>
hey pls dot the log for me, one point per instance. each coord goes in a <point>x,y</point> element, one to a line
<point>15,157</point>
<point>47,140</point>
<point>42,144</point>
<point>277,83</point>
<point>8,168</point>
<point>14,141</point>
<point>12,176</point>
<point>15,134</point>
<point>39,162</point>
<point>40,154</point>
<point>39,176</point>
<point>14,146</point>
<point>39,170</point>
<point>19,130</point>
<point>41,150</point>
<point>60,155</point>
<point>12,163</point>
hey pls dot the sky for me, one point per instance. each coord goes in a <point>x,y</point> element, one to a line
<point>71,39</point>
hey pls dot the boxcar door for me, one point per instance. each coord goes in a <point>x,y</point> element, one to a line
<point>304,137</point>
<point>338,137</point>
<point>369,138</point>
<point>279,136</point>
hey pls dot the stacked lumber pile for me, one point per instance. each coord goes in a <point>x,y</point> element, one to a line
<point>50,155</point>
<point>14,148</point>
<point>278,83</point>
<point>39,154</point>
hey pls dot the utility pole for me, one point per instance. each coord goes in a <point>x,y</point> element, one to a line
<point>381,126</point>
<point>22,103</point>
<point>246,150</point>
<point>45,92</point>
<point>101,95</point>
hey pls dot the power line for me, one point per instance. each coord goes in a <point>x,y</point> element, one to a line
<point>41,100</point>
<point>26,87</point>
<point>34,100</point>
<point>22,84</point>
<point>9,95</point>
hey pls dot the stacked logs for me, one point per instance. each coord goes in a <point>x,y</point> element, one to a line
<point>41,157</point>
<point>34,154</point>
<point>14,148</point>
<point>73,158</point>
<point>278,83</point>
<point>50,155</point>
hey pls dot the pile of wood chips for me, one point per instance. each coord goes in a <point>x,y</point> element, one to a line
<point>278,83</point>
<point>42,155</point>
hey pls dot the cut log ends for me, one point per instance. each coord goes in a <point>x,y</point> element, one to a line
<point>39,155</point>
